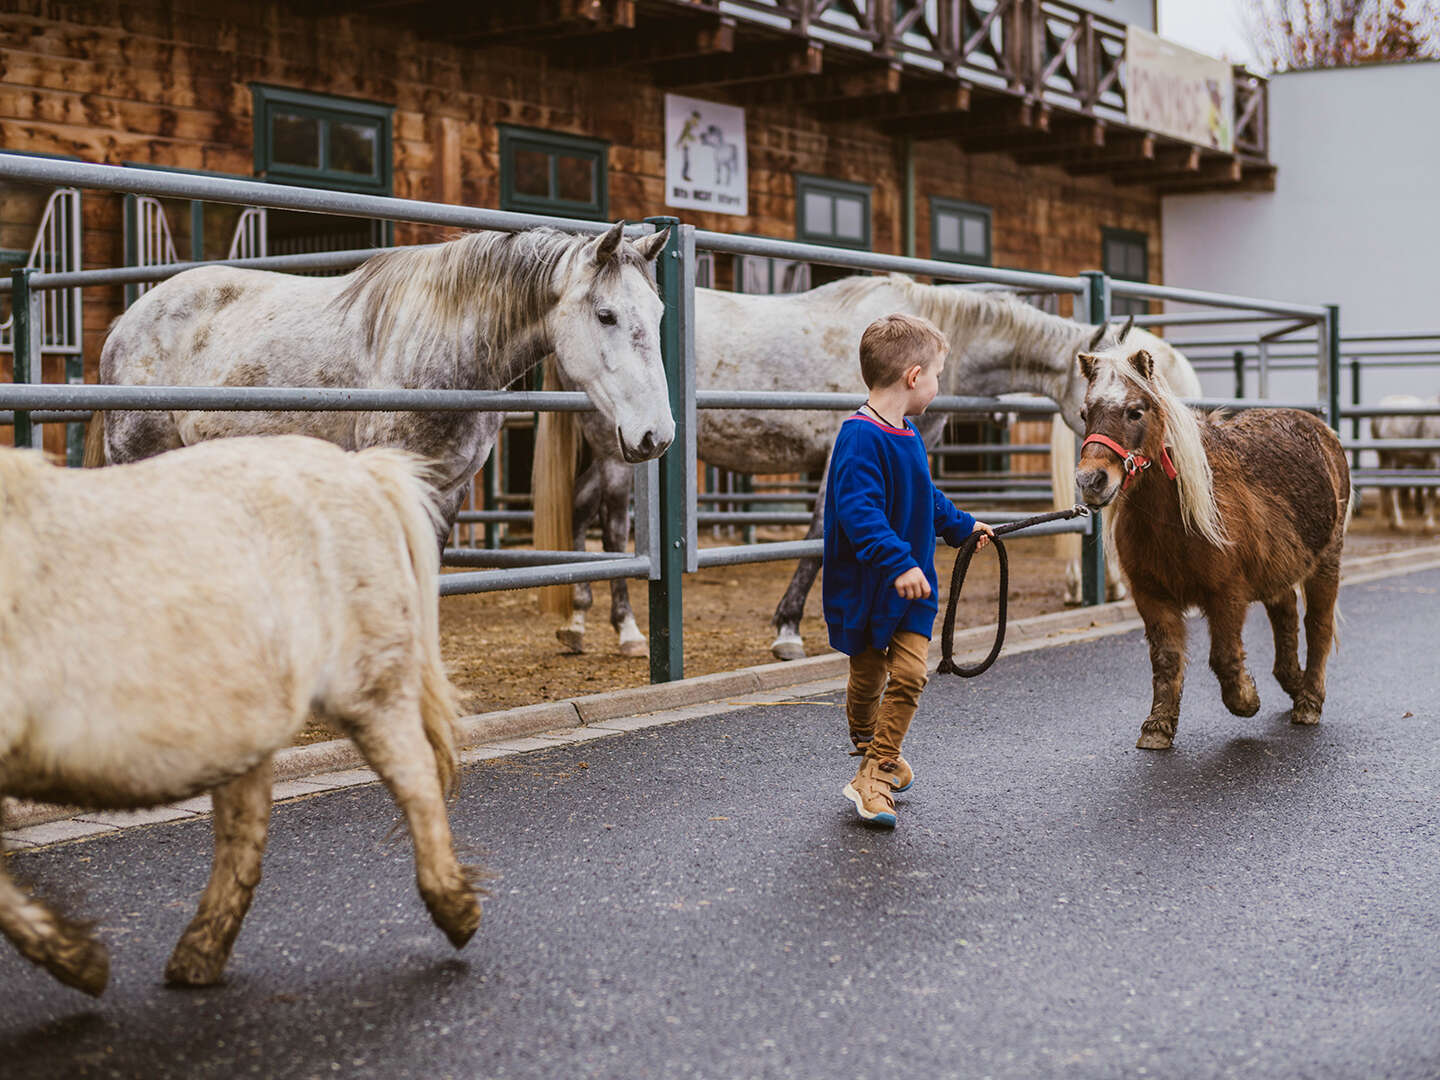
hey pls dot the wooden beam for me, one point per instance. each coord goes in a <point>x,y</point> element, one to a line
<point>783,61</point>
<point>928,101</point>
<point>821,89</point>
<point>646,46</point>
<point>1213,176</point>
<point>1120,153</point>
<point>1065,138</point>
<point>1171,163</point>
<point>487,23</point>
<point>1009,118</point>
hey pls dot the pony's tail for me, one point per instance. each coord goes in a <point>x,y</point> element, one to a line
<point>95,441</point>
<point>552,480</point>
<point>1062,483</point>
<point>404,478</point>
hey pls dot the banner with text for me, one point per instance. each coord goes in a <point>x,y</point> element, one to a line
<point>705,156</point>
<point>1172,90</point>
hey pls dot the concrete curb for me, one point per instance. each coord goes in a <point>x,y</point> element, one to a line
<point>323,766</point>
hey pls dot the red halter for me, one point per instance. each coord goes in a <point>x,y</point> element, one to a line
<point>1133,461</point>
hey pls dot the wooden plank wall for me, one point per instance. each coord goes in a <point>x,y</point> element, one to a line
<point>167,82</point>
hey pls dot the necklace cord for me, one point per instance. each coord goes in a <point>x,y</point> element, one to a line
<point>957,583</point>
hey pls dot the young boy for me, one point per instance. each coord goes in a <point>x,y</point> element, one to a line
<point>882,514</point>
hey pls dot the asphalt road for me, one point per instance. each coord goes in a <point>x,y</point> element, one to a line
<point>699,901</point>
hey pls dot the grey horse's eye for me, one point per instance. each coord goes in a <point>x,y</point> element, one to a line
<point>606,316</point>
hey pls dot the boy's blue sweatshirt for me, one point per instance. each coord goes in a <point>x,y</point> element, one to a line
<point>882,514</point>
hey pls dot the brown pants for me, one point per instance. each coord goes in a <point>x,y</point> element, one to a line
<point>895,674</point>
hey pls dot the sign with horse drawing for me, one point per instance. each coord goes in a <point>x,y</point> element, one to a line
<point>705,156</point>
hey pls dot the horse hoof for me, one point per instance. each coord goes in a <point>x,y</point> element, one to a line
<point>1243,701</point>
<point>787,650</point>
<point>1154,740</point>
<point>573,640</point>
<point>86,967</point>
<point>635,648</point>
<point>1306,714</point>
<point>189,966</point>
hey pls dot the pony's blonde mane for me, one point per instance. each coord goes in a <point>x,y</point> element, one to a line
<point>1195,482</point>
<point>487,290</point>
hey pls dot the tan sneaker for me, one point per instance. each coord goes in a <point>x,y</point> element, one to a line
<point>902,776</point>
<point>872,792</point>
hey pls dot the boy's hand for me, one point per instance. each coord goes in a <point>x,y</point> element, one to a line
<point>989,532</point>
<point>912,584</point>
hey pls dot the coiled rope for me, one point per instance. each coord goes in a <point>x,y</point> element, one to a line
<point>957,582</point>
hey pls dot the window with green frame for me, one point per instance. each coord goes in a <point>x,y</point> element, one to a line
<point>1125,255</point>
<point>318,140</point>
<point>545,172</point>
<point>834,212</point>
<point>960,231</point>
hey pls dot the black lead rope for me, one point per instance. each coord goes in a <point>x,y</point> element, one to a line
<point>957,582</point>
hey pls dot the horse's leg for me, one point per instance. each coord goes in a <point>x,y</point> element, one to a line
<point>242,819</point>
<point>66,949</point>
<point>1321,589</point>
<point>1285,623</point>
<point>1226,616</point>
<point>392,740</point>
<point>788,644</point>
<point>588,496</point>
<point>1165,631</point>
<point>615,527</point>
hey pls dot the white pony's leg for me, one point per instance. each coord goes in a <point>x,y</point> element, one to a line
<point>65,949</point>
<point>393,741</point>
<point>572,635</point>
<point>632,641</point>
<point>242,820</point>
<point>788,645</point>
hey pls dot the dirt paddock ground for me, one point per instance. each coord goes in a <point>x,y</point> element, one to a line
<point>502,652</point>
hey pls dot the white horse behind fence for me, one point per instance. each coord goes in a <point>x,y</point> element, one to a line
<point>1408,427</point>
<point>167,626</point>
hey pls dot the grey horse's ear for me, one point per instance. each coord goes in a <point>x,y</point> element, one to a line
<point>605,249</point>
<point>651,246</point>
<point>1098,338</point>
<point>1130,322</point>
<point>1143,363</point>
<point>1087,366</point>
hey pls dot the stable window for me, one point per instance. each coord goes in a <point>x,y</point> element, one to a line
<point>542,172</point>
<point>832,212</point>
<point>317,140</point>
<point>1125,256</point>
<point>960,231</point>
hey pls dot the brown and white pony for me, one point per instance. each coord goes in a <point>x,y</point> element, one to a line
<point>1216,511</point>
<point>167,626</point>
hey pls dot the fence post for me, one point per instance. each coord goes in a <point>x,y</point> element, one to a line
<point>667,637</point>
<point>1239,360</point>
<point>1355,400</point>
<point>1092,544</point>
<point>1332,366</point>
<point>27,345</point>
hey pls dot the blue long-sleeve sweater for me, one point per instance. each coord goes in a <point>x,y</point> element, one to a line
<point>882,514</point>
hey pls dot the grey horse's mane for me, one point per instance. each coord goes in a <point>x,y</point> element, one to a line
<point>962,312</point>
<point>488,288</point>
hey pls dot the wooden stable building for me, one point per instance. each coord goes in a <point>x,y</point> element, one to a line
<point>993,132</point>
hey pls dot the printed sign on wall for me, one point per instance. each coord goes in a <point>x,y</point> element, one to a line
<point>705,156</point>
<point>1175,91</point>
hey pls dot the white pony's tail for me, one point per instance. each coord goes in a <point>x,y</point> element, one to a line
<point>404,479</point>
<point>1062,483</point>
<point>95,441</point>
<point>552,481</point>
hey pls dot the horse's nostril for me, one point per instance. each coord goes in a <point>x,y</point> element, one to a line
<point>647,444</point>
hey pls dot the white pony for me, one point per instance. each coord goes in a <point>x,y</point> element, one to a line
<point>808,342</point>
<point>166,627</point>
<point>1408,427</point>
<point>471,314</point>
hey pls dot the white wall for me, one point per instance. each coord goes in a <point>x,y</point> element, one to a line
<point>1354,218</point>
<point>1139,13</point>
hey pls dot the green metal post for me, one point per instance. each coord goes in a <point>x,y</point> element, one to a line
<point>1092,544</point>
<point>667,637</point>
<point>75,432</point>
<point>1239,359</point>
<point>1332,390</point>
<point>492,492</point>
<point>197,230</point>
<point>26,335</point>
<point>1355,400</point>
<point>132,244</point>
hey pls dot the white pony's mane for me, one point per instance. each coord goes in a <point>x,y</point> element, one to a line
<point>1194,480</point>
<point>489,288</point>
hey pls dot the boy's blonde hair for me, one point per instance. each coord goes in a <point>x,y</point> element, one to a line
<point>892,344</point>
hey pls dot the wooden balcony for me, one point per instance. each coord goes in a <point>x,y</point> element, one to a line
<point>1037,79</point>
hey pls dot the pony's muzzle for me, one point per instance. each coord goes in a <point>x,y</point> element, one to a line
<point>1096,486</point>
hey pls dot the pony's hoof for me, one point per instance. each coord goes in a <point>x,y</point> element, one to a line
<point>635,648</point>
<point>189,966</point>
<point>1241,699</point>
<point>786,649</point>
<point>1154,740</point>
<point>573,640</point>
<point>1304,714</point>
<point>86,967</point>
